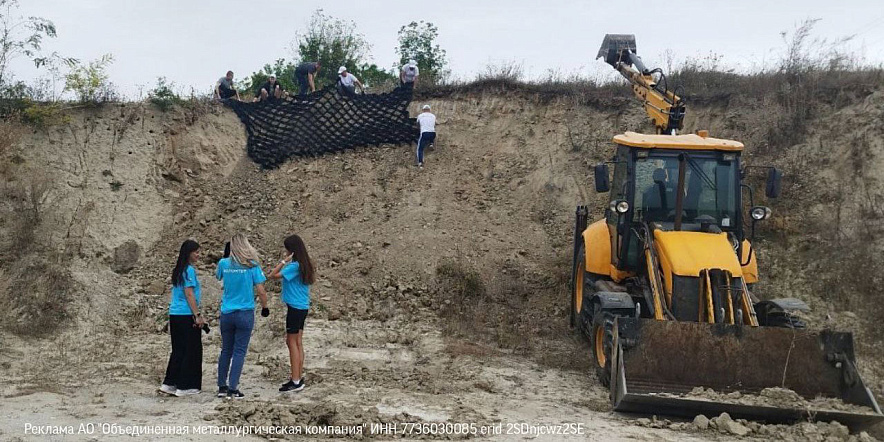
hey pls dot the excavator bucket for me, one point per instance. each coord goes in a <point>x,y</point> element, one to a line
<point>659,365</point>
<point>613,45</point>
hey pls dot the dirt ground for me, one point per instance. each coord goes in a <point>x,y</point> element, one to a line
<point>385,342</point>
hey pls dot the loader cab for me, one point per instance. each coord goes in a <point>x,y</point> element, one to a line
<point>646,184</point>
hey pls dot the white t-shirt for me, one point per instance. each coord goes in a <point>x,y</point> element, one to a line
<point>409,73</point>
<point>427,121</point>
<point>348,80</point>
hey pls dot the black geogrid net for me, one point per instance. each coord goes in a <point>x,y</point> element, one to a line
<point>324,122</point>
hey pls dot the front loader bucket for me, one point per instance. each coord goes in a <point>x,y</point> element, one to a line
<point>657,364</point>
<point>613,45</point>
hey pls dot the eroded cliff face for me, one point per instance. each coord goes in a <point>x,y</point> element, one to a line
<point>116,190</point>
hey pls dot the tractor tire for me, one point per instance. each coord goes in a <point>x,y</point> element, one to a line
<point>601,339</point>
<point>578,286</point>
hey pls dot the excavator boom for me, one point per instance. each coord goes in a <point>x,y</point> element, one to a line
<point>663,106</point>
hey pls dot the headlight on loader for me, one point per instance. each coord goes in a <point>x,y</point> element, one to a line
<point>760,213</point>
<point>622,207</point>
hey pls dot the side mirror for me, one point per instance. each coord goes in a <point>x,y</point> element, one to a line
<point>774,182</point>
<point>602,184</point>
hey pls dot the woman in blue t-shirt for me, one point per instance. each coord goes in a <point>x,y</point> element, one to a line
<point>242,277</point>
<point>184,373</point>
<point>297,274</point>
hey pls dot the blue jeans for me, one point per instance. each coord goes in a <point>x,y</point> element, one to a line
<point>426,139</point>
<point>236,331</point>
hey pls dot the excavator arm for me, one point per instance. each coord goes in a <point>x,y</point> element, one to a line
<point>664,107</point>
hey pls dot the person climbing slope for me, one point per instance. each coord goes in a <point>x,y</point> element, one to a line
<point>427,123</point>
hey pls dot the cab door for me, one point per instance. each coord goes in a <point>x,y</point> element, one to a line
<point>618,224</point>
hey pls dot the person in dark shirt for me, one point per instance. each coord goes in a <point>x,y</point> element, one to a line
<point>271,90</point>
<point>305,75</point>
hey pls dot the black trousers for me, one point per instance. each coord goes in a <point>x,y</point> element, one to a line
<point>225,92</point>
<point>303,83</point>
<point>185,369</point>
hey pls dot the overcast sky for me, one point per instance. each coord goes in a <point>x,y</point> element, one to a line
<point>193,42</point>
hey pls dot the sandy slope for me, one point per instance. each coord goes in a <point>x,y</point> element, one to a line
<point>497,196</point>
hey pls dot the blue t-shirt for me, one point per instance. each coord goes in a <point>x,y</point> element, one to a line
<point>295,293</point>
<point>239,284</point>
<point>179,306</point>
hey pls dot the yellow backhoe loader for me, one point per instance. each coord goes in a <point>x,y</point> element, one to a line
<point>661,285</point>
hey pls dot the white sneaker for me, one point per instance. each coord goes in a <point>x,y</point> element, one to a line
<point>168,389</point>
<point>189,392</point>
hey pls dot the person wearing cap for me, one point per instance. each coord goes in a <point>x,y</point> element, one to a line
<point>347,83</point>
<point>427,122</point>
<point>270,90</point>
<point>408,75</point>
<point>305,75</point>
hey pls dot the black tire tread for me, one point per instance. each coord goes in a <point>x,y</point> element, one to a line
<point>604,319</point>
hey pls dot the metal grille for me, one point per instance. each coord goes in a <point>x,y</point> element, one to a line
<point>324,122</point>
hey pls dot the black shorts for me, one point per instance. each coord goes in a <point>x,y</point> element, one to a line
<point>294,320</point>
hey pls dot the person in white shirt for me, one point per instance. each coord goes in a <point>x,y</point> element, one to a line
<point>427,123</point>
<point>408,75</point>
<point>347,83</point>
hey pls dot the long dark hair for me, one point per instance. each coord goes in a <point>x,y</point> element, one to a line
<point>187,247</point>
<point>295,245</point>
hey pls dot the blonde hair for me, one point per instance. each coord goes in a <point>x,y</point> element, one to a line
<point>243,252</point>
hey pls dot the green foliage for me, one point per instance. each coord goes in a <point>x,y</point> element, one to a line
<point>283,71</point>
<point>417,41</point>
<point>163,96</point>
<point>43,115</point>
<point>374,77</point>
<point>20,36</point>
<point>333,43</point>
<point>90,82</point>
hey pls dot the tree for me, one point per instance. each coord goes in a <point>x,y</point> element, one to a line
<point>333,43</point>
<point>90,81</point>
<point>282,70</point>
<point>372,76</point>
<point>417,41</point>
<point>20,36</point>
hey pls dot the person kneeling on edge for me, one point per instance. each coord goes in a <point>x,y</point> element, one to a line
<point>305,75</point>
<point>224,88</point>
<point>270,90</point>
<point>184,373</point>
<point>427,123</point>
<point>347,83</point>
<point>408,75</point>
<point>297,274</point>
<point>242,277</point>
